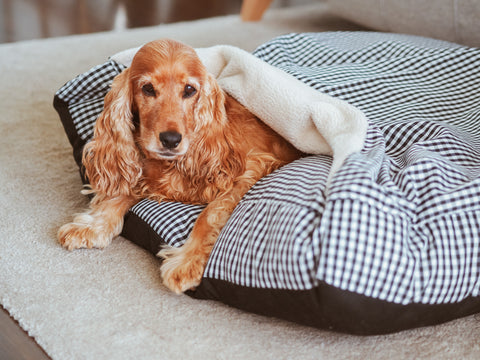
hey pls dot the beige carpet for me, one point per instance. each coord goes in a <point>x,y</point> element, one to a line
<point>110,304</point>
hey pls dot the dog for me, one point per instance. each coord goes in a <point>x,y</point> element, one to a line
<point>168,132</point>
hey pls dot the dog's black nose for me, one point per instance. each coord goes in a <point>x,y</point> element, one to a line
<point>170,139</point>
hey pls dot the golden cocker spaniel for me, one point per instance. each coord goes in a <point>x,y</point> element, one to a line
<point>168,132</point>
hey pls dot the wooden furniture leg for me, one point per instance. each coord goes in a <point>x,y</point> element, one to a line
<point>252,10</point>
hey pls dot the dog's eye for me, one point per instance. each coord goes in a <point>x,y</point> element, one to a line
<point>189,91</point>
<point>148,90</point>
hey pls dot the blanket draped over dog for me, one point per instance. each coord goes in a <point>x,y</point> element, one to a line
<point>313,122</point>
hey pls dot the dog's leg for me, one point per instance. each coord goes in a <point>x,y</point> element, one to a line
<point>96,227</point>
<point>183,267</point>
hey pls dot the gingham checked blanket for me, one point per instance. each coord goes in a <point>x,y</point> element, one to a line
<point>401,221</point>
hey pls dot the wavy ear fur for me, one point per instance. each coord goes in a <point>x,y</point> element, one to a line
<point>217,158</point>
<point>111,158</point>
<point>210,108</point>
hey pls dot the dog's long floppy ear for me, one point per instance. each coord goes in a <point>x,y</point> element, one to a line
<point>216,152</point>
<point>111,158</point>
<point>210,109</point>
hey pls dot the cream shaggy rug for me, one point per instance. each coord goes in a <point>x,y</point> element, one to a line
<point>109,304</point>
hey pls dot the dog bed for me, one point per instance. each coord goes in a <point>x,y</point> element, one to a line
<point>395,241</point>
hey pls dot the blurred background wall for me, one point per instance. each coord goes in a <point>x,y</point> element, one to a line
<point>31,19</point>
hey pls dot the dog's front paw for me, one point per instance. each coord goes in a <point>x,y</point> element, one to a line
<point>79,235</point>
<point>181,271</point>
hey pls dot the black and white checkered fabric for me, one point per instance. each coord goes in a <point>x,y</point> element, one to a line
<point>85,95</point>
<point>401,222</point>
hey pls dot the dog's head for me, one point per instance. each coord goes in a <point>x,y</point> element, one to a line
<point>174,97</point>
<point>175,100</point>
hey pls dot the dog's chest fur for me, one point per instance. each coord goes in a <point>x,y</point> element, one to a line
<point>171,181</point>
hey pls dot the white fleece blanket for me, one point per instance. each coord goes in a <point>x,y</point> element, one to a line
<point>313,122</point>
